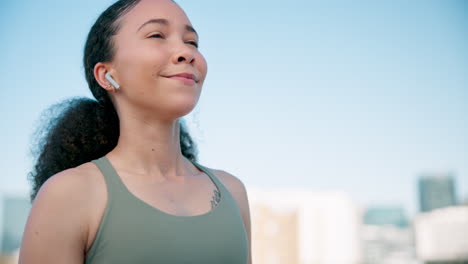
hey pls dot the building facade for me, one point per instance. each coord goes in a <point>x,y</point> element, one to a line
<point>300,227</point>
<point>436,191</point>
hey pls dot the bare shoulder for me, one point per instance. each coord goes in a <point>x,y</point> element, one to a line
<point>59,218</point>
<point>78,193</point>
<point>74,186</point>
<point>71,192</point>
<point>73,180</point>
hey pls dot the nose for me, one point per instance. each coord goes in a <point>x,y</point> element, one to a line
<point>184,55</point>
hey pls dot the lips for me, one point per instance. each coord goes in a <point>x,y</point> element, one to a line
<point>184,75</point>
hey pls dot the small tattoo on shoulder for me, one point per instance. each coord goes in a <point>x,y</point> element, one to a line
<point>216,198</point>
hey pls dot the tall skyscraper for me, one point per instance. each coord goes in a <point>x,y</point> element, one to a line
<point>14,215</point>
<point>436,191</point>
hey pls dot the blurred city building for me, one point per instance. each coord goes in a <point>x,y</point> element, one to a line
<point>276,235</point>
<point>300,227</point>
<point>387,237</point>
<point>10,258</point>
<point>436,191</point>
<point>442,235</point>
<point>386,215</point>
<point>14,212</point>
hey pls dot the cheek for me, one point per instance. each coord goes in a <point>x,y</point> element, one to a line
<point>142,66</point>
<point>202,66</point>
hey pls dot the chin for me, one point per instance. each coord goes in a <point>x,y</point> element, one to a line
<point>182,108</point>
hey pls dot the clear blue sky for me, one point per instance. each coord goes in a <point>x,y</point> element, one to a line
<point>360,96</point>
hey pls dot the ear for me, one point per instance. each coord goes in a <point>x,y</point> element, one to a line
<point>100,70</point>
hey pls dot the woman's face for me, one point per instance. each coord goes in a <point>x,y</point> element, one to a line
<point>156,41</point>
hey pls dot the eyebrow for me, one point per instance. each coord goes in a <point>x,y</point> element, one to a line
<point>165,22</point>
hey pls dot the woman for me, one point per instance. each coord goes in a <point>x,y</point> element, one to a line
<point>126,187</point>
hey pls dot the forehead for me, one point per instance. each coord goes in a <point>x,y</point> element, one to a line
<point>150,9</point>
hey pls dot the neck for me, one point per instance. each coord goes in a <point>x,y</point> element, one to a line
<point>151,149</point>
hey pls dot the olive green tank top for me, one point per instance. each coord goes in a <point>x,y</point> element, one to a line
<point>132,231</point>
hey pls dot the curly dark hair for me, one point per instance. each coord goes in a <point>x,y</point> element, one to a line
<point>79,130</point>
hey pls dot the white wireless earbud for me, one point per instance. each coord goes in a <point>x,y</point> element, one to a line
<point>114,83</point>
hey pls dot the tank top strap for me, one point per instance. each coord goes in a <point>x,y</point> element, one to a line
<point>213,178</point>
<point>113,182</point>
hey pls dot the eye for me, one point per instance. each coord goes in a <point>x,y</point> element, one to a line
<point>194,43</point>
<point>157,35</point>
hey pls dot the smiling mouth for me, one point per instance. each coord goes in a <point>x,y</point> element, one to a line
<point>186,78</point>
<point>182,79</point>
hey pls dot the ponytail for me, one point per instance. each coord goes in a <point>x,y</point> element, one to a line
<point>82,131</point>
